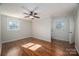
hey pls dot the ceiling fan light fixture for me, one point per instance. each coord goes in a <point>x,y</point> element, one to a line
<point>32,14</point>
<point>31,17</point>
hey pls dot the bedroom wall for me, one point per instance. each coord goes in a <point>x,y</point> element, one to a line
<point>41,28</point>
<point>38,28</point>
<point>23,32</point>
<point>77,31</point>
<point>0,28</point>
<point>0,34</point>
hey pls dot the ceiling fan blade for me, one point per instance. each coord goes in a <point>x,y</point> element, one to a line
<point>36,16</point>
<point>26,13</point>
<point>35,13</point>
<point>35,8</point>
<point>25,8</point>
<point>26,16</point>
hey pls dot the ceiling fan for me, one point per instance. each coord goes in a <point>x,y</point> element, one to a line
<point>31,13</point>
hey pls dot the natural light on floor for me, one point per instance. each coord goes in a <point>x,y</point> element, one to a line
<point>32,46</point>
<point>35,47</point>
<point>27,45</point>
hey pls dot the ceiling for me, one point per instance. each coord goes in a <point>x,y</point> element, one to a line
<point>44,10</point>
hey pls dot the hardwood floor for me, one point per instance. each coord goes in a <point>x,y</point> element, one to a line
<point>62,48</point>
<point>36,47</point>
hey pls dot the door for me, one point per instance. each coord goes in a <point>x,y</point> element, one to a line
<point>71,31</point>
<point>60,29</point>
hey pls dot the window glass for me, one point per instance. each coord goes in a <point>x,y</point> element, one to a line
<point>13,25</point>
<point>60,25</point>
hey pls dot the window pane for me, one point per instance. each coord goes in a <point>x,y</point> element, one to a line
<point>13,25</point>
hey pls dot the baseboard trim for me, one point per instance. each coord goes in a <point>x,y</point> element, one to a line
<point>77,49</point>
<point>23,38</point>
<point>13,40</point>
<point>60,40</point>
<point>40,39</point>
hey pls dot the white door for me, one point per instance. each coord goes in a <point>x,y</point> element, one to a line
<point>71,30</point>
<point>60,29</point>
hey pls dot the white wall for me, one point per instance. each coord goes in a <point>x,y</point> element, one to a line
<point>77,31</point>
<point>41,28</point>
<point>23,32</point>
<point>0,29</point>
<point>0,35</point>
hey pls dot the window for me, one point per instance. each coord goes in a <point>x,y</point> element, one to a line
<point>60,25</point>
<point>13,25</point>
